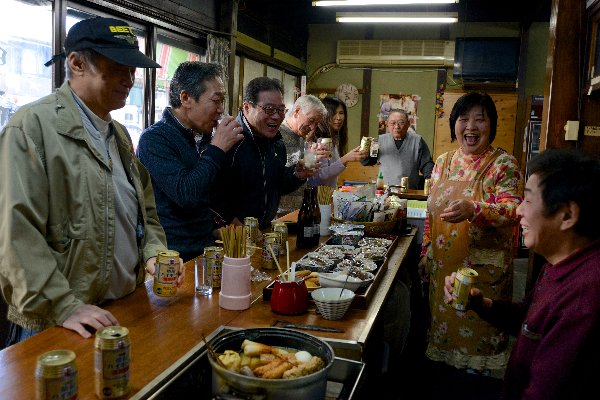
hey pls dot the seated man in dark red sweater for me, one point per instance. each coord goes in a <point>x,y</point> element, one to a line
<point>557,352</point>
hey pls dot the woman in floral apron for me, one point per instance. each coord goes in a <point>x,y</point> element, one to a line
<point>471,222</point>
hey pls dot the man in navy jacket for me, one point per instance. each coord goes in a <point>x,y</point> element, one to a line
<point>184,157</point>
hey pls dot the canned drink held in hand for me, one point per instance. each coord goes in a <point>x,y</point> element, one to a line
<point>56,376</point>
<point>464,280</point>
<point>427,187</point>
<point>365,143</point>
<point>167,272</point>
<point>112,358</point>
<point>374,148</point>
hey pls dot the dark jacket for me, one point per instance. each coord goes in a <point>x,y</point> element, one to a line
<point>182,178</point>
<point>253,179</point>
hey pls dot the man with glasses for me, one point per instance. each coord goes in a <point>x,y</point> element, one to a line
<point>77,212</point>
<point>255,176</point>
<point>184,157</point>
<point>402,153</point>
<point>297,130</point>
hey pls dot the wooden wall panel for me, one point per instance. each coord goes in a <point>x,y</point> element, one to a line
<point>506,105</point>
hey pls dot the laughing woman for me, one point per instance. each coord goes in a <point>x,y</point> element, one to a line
<point>475,191</point>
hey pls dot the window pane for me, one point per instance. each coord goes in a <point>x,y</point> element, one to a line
<point>23,51</point>
<point>131,114</point>
<point>170,52</point>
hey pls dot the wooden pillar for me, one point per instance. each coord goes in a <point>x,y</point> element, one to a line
<point>229,18</point>
<point>366,93</point>
<point>563,72</point>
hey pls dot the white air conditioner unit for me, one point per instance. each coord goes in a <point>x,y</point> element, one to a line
<point>390,53</point>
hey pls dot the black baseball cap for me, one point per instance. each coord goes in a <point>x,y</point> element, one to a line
<point>110,37</point>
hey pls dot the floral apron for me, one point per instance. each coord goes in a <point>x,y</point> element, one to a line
<point>460,338</point>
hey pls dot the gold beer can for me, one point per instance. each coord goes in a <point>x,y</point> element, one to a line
<point>465,277</point>
<point>281,228</point>
<point>214,263</point>
<point>251,224</point>
<point>112,358</point>
<point>271,241</point>
<point>365,144</point>
<point>56,376</point>
<point>167,272</point>
<point>404,184</point>
<point>427,187</point>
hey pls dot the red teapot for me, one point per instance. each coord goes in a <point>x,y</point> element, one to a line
<point>289,298</point>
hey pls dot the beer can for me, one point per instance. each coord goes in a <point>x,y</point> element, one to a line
<point>112,358</point>
<point>365,143</point>
<point>326,143</point>
<point>251,224</point>
<point>281,228</point>
<point>56,376</point>
<point>214,263</point>
<point>465,277</point>
<point>167,272</point>
<point>404,184</point>
<point>374,148</point>
<point>427,187</point>
<point>271,241</point>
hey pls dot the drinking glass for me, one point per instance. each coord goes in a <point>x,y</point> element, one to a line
<point>310,155</point>
<point>202,276</point>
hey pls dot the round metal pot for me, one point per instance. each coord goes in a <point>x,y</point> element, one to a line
<point>228,383</point>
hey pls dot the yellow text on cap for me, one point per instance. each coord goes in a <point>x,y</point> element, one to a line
<point>123,28</point>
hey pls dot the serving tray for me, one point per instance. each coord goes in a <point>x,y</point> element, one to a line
<point>362,296</point>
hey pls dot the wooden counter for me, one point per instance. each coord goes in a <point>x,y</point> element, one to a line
<point>164,330</point>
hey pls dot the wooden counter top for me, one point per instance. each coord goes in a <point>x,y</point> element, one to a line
<point>163,330</point>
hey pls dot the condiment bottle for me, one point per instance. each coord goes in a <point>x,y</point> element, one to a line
<point>304,236</point>
<point>379,184</point>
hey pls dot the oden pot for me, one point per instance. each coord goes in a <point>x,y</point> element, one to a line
<point>313,386</point>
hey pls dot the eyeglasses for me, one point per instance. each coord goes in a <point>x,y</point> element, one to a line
<point>270,110</point>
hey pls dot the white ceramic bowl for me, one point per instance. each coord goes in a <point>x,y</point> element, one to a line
<point>330,304</point>
<point>338,279</point>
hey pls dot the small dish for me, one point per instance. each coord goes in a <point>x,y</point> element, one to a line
<point>338,280</point>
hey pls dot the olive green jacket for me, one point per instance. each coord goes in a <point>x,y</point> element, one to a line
<point>57,216</point>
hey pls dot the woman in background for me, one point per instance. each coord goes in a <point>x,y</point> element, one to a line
<point>471,220</point>
<point>335,126</point>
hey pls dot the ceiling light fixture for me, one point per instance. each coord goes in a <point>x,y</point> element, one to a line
<point>342,3</point>
<point>394,18</point>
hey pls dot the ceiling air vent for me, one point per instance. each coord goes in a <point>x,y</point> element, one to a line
<point>390,53</point>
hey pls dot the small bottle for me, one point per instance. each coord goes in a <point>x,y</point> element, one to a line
<point>304,236</point>
<point>379,184</point>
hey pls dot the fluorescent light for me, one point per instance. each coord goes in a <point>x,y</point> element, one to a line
<point>377,2</point>
<point>394,18</point>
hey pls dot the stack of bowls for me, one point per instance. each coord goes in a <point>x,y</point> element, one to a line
<point>330,303</point>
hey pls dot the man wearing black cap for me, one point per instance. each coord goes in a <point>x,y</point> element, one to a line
<point>78,222</point>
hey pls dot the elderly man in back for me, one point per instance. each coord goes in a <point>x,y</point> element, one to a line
<point>402,153</point>
<point>296,130</point>
<point>255,175</point>
<point>77,213</point>
<point>184,158</point>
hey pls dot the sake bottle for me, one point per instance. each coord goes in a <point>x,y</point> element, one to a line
<point>304,237</point>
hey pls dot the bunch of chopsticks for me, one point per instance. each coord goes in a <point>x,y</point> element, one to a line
<point>234,241</point>
<point>324,194</point>
<point>282,273</point>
